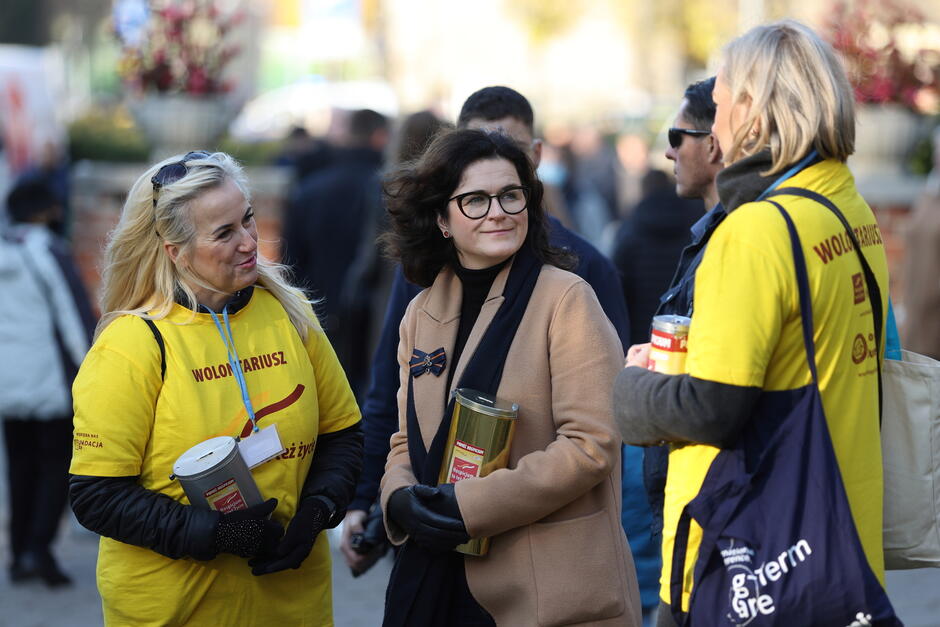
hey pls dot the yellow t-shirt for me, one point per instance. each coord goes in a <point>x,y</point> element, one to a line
<point>130,423</point>
<point>746,331</point>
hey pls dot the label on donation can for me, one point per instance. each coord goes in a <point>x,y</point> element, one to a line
<point>466,462</point>
<point>225,497</point>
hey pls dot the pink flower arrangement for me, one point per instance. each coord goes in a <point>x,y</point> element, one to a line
<point>890,51</point>
<point>181,48</point>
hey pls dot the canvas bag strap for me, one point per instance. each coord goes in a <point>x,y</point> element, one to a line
<point>874,291</point>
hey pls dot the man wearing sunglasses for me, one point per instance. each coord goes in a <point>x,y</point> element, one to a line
<point>692,147</point>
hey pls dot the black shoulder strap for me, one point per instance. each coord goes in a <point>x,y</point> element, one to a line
<point>874,291</point>
<point>159,338</point>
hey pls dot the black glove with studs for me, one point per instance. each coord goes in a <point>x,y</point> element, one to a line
<point>312,517</point>
<point>249,532</point>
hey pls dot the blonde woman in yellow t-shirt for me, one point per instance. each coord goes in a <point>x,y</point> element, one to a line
<point>785,119</point>
<point>232,349</point>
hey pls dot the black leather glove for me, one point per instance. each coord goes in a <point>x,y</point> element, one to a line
<point>429,515</point>
<point>248,532</point>
<point>310,519</point>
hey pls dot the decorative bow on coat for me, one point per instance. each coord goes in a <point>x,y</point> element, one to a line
<point>422,362</point>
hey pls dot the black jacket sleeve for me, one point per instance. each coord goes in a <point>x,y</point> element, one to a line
<point>652,408</point>
<point>380,407</point>
<point>334,471</point>
<point>119,508</point>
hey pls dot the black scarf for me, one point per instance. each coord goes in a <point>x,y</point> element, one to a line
<point>744,181</point>
<point>420,591</point>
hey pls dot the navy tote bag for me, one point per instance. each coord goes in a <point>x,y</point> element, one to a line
<point>779,545</point>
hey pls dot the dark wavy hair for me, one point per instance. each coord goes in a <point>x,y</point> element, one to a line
<point>418,193</point>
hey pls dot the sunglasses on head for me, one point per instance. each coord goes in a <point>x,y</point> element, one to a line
<point>675,135</point>
<point>172,172</point>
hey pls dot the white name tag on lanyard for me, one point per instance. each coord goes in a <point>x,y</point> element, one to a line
<point>259,447</point>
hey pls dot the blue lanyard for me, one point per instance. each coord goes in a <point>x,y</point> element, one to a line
<point>805,161</point>
<point>234,362</point>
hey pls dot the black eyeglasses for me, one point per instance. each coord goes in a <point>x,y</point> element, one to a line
<point>675,135</point>
<point>476,205</point>
<point>172,172</point>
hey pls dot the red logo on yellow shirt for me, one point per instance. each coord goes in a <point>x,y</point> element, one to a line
<point>858,286</point>
<point>287,401</point>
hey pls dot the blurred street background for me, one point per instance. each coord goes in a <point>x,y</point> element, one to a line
<point>92,91</point>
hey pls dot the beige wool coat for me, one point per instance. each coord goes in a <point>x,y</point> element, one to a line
<point>558,554</point>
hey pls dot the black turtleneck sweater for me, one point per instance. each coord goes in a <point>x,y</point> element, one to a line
<point>476,286</point>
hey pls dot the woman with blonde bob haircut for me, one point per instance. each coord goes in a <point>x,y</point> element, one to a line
<point>796,94</point>
<point>785,123</point>
<point>201,337</point>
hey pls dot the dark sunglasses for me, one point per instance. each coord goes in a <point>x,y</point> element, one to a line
<point>172,172</point>
<point>675,135</point>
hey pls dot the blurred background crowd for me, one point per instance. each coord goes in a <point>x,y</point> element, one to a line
<point>319,97</point>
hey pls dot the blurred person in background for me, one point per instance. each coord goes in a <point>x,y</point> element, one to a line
<point>553,173</point>
<point>784,119</point>
<point>325,224</point>
<point>648,244</point>
<point>922,266</point>
<point>468,225</point>
<point>53,167</point>
<point>297,143</point>
<point>590,189</point>
<point>375,275</point>
<point>201,337</point>
<point>506,110</point>
<point>584,202</point>
<point>633,159</point>
<point>46,324</point>
<point>414,134</point>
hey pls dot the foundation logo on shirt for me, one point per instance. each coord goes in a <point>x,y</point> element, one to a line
<point>863,348</point>
<point>858,286</point>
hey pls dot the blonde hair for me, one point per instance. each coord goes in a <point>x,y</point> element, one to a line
<point>798,94</point>
<point>139,278</point>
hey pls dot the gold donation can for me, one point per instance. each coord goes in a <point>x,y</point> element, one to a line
<point>478,443</point>
<point>669,344</point>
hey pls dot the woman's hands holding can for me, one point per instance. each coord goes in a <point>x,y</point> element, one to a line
<point>248,532</point>
<point>311,518</point>
<point>429,515</point>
